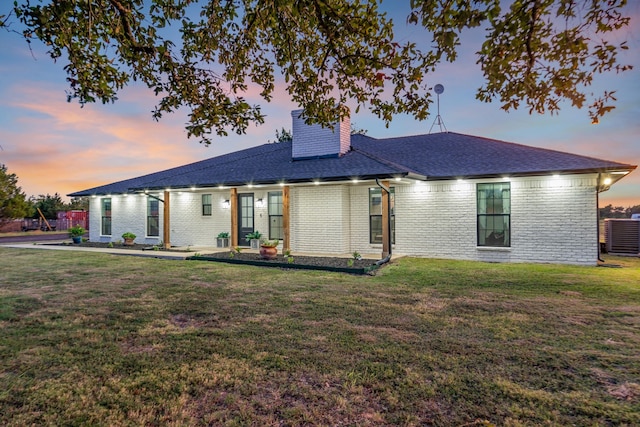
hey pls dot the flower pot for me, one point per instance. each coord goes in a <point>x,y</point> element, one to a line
<point>222,242</point>
<point>268,252</point>
<point>76,239</point>
<point>128,242</point>
<point>255,243</point>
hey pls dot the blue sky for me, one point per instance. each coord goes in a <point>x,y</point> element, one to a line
<point>55,146</point>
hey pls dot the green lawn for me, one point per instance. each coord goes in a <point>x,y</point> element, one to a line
<point>95,339</point>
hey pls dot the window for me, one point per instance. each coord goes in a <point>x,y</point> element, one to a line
<point>105,222</point>
<point>206,204</point>
<point>153,217</point>
<point>275,216</point>
<point>494,214</point>
<point>375,215</point>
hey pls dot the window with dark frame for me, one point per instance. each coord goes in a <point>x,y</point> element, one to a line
<point>494,214</point>
<point>206,205</point>
<point>276,230</point>
<point>105,222</point>
<point>375,215</point>
<point>153,217</point>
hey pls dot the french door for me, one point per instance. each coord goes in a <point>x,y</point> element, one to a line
<point>245,217</point>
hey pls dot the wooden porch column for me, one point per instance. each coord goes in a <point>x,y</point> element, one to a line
<point>167,220</point>
<point>385,220</point>
<point>233,199</point>
<point>286,241</point>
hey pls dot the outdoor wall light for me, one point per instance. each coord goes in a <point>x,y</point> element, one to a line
<point>260,203</point>
<point>607,181</point>
<point>226,204</point>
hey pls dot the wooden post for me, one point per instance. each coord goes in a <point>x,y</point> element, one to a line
<point>167,220</point>
<point>385,220</point>
<point>45,219</point>
<point>286,241</point>
<point>233,199</point>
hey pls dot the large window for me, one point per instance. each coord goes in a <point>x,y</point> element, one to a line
<point>105,222</point>
<point>375,215</point>
<point>275,216</point>
<point>494,214</point>
<point>153,217</point>
<point>206,204</point>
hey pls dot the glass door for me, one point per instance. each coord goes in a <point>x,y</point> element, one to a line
<point>245,217</point>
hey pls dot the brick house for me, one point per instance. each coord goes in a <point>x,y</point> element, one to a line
<point>449,196</point>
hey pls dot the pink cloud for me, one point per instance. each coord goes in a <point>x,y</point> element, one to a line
<point>58,147</point>
<point>55,146</point>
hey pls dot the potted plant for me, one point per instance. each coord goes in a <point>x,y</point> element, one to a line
<point>223,239</point>
<point>269,249</point>
<point>128,237</point>
<point>254,239</point>
<point>76,232</point>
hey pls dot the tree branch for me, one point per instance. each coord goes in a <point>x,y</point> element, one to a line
<point>532,26</point>
<point>124,13</point>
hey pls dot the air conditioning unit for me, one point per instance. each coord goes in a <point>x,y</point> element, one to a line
<point>622,236</point>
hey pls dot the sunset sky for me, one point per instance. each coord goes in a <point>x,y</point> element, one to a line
<point>55,146</point>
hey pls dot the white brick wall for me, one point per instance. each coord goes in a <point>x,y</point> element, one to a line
<point>314,140</point>
<point>552,220</point>
<point>189,227</point>
<point>128,213</point>
<point>319,217</point>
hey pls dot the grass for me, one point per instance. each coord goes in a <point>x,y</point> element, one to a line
<point>96,339</point>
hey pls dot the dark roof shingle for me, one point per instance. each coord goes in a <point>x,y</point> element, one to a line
<point>434,156</point>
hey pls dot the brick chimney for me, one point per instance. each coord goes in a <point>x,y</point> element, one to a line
<point>314,141</point>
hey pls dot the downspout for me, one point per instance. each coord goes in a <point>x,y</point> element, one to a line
<point>390,240</point>
<point>598,216</point>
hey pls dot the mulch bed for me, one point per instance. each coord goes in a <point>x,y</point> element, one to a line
<point>333,262</point>
<point>359,266</point>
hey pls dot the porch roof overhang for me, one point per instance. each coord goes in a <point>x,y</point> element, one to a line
<point>256,183</point>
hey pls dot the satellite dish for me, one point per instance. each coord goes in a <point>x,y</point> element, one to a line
<point>438,88</point>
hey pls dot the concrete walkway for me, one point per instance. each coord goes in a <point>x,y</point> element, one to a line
<point>175,254</point>
<point>53,245</point>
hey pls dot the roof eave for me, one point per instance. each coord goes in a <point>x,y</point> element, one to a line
<point>224,185</point>
<point>623,171</point>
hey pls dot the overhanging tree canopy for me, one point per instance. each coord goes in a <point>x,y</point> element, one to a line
<point>537,53</point>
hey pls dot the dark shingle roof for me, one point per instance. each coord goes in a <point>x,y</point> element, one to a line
<point>432,156</point>
<point>449,155</point>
